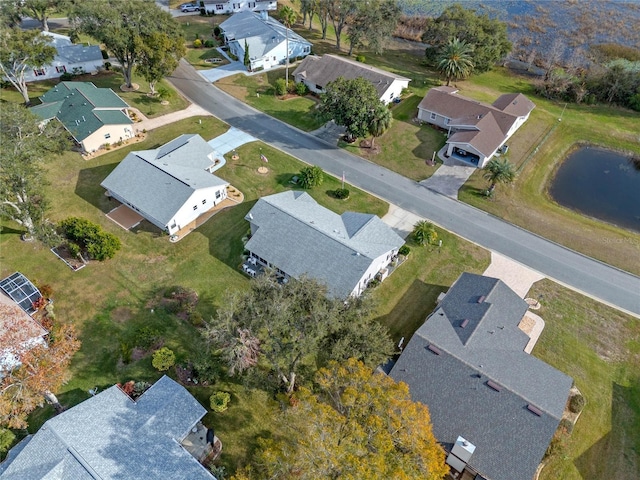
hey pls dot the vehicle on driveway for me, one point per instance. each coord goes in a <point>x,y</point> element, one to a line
<point>189,7</point>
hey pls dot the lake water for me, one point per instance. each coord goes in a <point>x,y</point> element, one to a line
<point>601,184</point>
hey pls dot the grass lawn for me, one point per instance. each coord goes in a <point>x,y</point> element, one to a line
<point>600,348</point>
<point>198,56</point>
<point>149,106</point>
<point>526,202</point>
<point>258,91</point>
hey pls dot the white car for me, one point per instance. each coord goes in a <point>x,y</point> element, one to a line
<point>189,7</point>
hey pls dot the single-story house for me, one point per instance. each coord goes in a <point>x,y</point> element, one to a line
<point>70,57</point>
<point>170,186</point>
<point>222,7</point>
<point>93,116</point>
<point>316,72</point>
<point>19,333</point>
<point>266,39</point>
<point>110,436</point>
<point>476,130</point>
<point>295,236</point>
<point>493,407</point>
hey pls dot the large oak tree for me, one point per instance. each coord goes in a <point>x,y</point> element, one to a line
<point>125,27</point>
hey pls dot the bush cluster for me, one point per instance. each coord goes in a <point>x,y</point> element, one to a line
<point>576,403</point>
<point>341,193</point>
<point>163,359</point>
<point>85,236</point>
<point>404,250</point>
<point>280,86</point>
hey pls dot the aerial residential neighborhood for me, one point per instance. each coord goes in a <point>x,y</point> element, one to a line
<point>338,239</point>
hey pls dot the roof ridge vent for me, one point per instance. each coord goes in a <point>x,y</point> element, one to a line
<point>464,323</point>
<point>494,385</point>
<point>535,410</point>
<point>433,349</point>
<point>481,298</point>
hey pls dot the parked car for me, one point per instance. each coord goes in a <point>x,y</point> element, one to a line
<point>189,7</point>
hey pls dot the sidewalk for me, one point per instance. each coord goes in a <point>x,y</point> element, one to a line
<point>151,123</point>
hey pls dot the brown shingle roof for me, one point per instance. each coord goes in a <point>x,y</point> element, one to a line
<point>327,68</point>
<point>515,104</point>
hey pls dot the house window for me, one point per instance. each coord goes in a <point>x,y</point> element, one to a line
<point>218,194</point>
<point>173,226</point>
<point>204,202</point>
<point>195,207</point>
<point>391,96</point>
<point>219,7</point>
<point>274,58</point>
<point>107,135</point>
<point>307,49</point>
<point>318,87</point>
<point>61,69</point>
<point>38,72</point>
<point>433,116</point>
<point>447,121</point>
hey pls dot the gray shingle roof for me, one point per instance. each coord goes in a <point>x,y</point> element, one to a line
<point>510,440</point>
<point>327,68</point>
<point>301,237</point>
<point>73,53</point>
<point>158,182</point>
<point>82,108</point>
<point>111,437</point>
<point>261,35</point>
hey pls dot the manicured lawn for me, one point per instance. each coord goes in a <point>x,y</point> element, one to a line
<point>600,348</point>
<point>526,202</point>
<point>258,91</point>
<point>198,56</point>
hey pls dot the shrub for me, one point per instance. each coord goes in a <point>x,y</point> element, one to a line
<point>125,351</point>
<point>46,290</point>
<point>209,43</point>
<point>147,337</point>
<point>197,320</point>
<point>6,439</point>
<point>566,426</point>
<point>360,58</point>
<point>311,176</point>
<point>301,88</point>
<point>107,65</point>
<point>341,193</point>
<point>90,237</point>
<point>139,388</point>
<point>217,31</point>
<point>104,53</point>
<point>280,86</point>
<point>163,359</point>
<point>404,250</point>
<point>576,403</point>
<point>197,43</point>
<point>219,401</point>
<point>66,76</point>
<point>206,367</point>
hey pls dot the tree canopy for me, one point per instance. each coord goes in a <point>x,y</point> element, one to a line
<point>487,36</point>
<point>350,103</point>
<point>379,122</point>
<point>41,10</point>
<point>454,60</point>
<point>25,147</point>
<point>282,326</point>
<point>126,27</point>
<point>373,25</point>
<point>21,50</point>
<point>499,170</point>
<point>159,57</point>
<point>360,425</point>
<point>42,369</point>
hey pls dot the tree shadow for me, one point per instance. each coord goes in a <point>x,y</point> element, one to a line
<point>88,186</point>
<point>226,231</point>
<point>4,230</point>
<point>410,312</point>
<point>617,454</point>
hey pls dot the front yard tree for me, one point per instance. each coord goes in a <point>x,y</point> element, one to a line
<point>380,122</point>
<point>350,103</point>
<point>247,57</point>
<point>159,57</point>
<point>360,425</point>
<point>499,170</point>
<point>311,176</point>
<point>487,35</point>
<point>25,147</point>
<point>42,369</point>
<point>22,50</point>
<point>287,17</point>
<point>424,232</point>
<point>454,60</point>
<point>41,10</point>
<point>124,26</point>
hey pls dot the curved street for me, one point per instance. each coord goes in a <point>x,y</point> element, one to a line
<point>567,267</point>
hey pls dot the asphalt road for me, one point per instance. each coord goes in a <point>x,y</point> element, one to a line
<point>598,280</point>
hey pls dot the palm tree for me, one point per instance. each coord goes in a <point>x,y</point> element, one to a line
<point>424,231</point>
<point>380,121</point>
<point>455,59</point>
<point>288,17</point>
<point>499,171</point>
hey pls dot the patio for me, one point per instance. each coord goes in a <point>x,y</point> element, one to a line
<point>197,444</point>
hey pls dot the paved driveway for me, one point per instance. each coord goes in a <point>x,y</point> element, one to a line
<point>215,74</point>
<point>230,140</point>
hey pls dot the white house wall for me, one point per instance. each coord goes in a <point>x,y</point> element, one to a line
<point>275,57</point>
<point>378,264</point>
<point>224,8</point>
<point>114,132</point>
<point>186,214</point>
<point>394,90</point>
<point>58,67</point>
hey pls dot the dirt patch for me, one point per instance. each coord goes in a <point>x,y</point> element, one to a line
<point>185,375</point>
<point>133,88</point>
<point>121,314</point>
<point>67,257</point>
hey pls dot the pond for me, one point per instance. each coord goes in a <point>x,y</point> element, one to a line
<point>601,184</point>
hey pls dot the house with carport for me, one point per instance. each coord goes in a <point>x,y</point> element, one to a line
<point>93,116</point>
<point>170,186</point>
<point>294,236</point>
<point>266,39</point>
<point>476,131</point>
<point>222,7</point>
<point>317,71</point>
<point>493,407</point>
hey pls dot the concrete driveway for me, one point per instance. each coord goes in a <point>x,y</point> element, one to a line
<point>215,74</point>
<point>230,140</point>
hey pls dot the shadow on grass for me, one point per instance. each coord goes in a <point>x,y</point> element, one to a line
<point>617,454</point>
<point>4,230</point>
<point>412,309</point>
<point>225,232</point>
<point>88,186</point>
